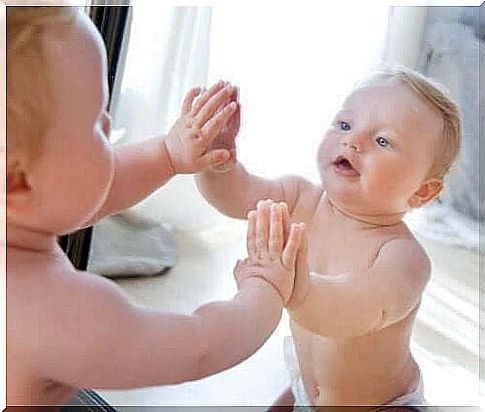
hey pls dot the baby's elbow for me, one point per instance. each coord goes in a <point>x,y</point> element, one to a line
<point>394,314</point>
<point>201,349</point>
<point>380,320</point>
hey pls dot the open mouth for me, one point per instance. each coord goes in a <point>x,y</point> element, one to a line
<point>343,166</point>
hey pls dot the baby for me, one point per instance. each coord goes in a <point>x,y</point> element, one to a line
<point>68,329</point>
<point>359,288</point>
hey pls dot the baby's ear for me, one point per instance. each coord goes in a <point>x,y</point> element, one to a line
<point>17,188</point>
<point>426,192</point>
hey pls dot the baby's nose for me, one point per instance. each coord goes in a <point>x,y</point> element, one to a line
<point>353,142</point>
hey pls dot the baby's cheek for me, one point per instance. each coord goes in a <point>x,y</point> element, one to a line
<point>323,151</point>
<point>388,183</point>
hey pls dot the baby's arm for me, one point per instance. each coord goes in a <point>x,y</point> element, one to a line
<point>82,330</point>
<point>143,167</point>
<point>235,192</point>
<point>356,303</point>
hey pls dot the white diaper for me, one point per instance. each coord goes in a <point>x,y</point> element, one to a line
<point>302,402</point>
<point>412,400</point>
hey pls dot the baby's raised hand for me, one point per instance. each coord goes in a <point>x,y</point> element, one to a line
<point>270,257</point>
<point>226,138</point>
<point>188,142</point>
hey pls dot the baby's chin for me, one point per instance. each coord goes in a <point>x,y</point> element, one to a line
<point>67,227</point>
<point>363,207</point>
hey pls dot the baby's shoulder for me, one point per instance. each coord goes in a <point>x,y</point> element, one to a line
<point>41,285</point>
<point>405,254</point>
<point>34,293</point>
<point>47,290</point>
<point>399,235</point>
<point>46,277</point>
<point>309,196</point>
<point>25,266</point>
<point>396,236</point>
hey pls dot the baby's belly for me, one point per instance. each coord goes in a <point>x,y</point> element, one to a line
<point>368,370</point>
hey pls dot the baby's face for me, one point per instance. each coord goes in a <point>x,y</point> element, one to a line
<point>379,150</point>
<point>76,167</point>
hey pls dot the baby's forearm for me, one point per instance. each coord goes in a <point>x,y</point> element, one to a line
<point>177,348</point>
<point>134,346</point>
<point>234,330</point>
<point>236,192</point>
<point>226,191</point>
<point>140,169</point>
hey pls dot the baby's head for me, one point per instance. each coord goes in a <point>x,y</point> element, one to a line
<point>390,145</point>
<point>59,163</point>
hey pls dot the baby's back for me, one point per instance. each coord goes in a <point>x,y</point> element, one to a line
<point>340,367</point>
<point>29,277</point>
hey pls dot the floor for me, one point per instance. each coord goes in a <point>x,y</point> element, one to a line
<point>445,339</point>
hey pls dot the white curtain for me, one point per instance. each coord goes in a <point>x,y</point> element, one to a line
<point>294,64</point>
<point>164,55</point>
<point>168,53</point>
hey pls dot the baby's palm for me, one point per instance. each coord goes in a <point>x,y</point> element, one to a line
<point>270,255</point>
<point>226,138</point>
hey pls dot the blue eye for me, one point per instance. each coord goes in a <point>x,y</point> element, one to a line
<point>382,142</point>
<point>344,126</point>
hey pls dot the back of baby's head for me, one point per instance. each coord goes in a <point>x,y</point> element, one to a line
<point>29,73</point>
<point>435,96</point>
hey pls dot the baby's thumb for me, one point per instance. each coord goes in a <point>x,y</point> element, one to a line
<point>303,251</point>
<point>302,255</point>
<point>293,245</point>
<point>216,158</point>
<point>302,284</point>
<point>301,264</point>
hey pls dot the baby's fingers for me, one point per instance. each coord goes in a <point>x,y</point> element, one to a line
<point>206,96</point>
<point>276,241</point>
<point>262,227</point>
<point>251,236</point>
<point>214,125</point>
<point>302,255</point>
<point>214,158</point>
<point>189,99</point>
<point>286,220</point>
<point>210,106</point>
<point>294,243</point>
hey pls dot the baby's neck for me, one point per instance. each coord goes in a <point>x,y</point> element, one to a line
<point>368,220</point>
<point>22,238</point>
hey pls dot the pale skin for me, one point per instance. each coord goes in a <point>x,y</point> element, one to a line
<point>359,286</point>
<point>69,329</point>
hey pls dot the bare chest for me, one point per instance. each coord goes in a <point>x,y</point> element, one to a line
<point>338,244</point>
<point>336,250</point>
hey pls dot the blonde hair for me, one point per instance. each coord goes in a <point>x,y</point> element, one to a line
<point>438,98</point>
<point>29,93</point>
